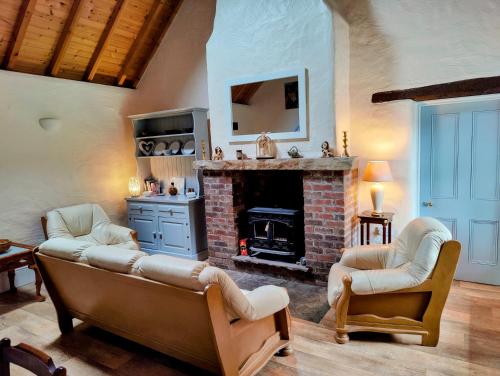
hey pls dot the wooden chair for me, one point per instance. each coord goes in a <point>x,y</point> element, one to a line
<point>27,357</point>
<point>415,310</point>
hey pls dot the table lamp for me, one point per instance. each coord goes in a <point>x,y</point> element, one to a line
<point>377,172</point>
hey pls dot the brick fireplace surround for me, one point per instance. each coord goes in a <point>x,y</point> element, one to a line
<point>330,208</point>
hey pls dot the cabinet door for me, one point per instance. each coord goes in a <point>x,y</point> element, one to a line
<point>145,225</point>
<point>174,236</point>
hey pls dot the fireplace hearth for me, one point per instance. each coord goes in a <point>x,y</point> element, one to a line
<point>321,192</point>
<point>276,234</point>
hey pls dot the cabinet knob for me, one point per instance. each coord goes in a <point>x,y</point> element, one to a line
<point>427,204</point>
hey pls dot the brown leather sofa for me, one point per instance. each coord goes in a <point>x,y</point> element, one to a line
<point>183,308</point>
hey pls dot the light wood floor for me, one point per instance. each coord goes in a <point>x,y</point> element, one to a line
<point>469,345</point>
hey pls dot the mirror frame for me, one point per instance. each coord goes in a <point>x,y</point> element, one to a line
<point>276,136</point>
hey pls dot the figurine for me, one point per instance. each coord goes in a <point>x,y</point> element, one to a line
<point>264,147</point>
<point>294,152</point>
<point>172,191</point>
<point>345,154</point>
<point>203,151</point>
<point>219,154</point>
<point>325,150</point>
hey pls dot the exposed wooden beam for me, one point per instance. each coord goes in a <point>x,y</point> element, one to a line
<point>167,20</point>
<point>139,40</point>
<point>22,21</point>
<point>104,40</point>
<point>65,38</point>
<point>455,89</point>
<point>242,94</point>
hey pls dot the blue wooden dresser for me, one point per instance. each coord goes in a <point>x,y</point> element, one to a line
<point>172,225</point>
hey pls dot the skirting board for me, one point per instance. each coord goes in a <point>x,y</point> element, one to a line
<point>24,276</point>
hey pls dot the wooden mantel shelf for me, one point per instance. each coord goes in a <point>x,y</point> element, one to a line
<point>306,164</point>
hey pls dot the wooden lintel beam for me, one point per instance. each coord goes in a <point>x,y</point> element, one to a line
<point>93,65</point>
<point>65,38</point>
<point>455,89</point>
<point>166,24</point>
<point>139,40</point>
<point>22,21</point>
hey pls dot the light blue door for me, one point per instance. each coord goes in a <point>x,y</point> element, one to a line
<point>460,181</point>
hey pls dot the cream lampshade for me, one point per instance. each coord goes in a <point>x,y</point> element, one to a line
<point>377,172</point>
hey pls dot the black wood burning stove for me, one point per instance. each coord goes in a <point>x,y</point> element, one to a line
<point>276,233</point>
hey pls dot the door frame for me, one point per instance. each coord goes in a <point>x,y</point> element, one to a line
<point>437,102</point>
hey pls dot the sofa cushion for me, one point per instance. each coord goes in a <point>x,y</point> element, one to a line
<point>114,259</point>
<point>67,249</point>
<point>171,270</point>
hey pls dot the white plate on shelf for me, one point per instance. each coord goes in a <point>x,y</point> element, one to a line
<point>188,148</point>
<point>175,147</point>
<point>160,148</point>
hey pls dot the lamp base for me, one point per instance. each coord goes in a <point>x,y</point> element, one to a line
<point>376,213</point>
<point>377,193</point>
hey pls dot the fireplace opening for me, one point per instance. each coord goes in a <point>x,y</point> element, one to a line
<point>273,223</point>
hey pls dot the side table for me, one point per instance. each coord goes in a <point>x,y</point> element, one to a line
<point>17,256</point>
<point>385,219</point>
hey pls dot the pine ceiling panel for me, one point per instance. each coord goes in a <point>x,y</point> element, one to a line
<point>43,32</point>
<point>8,14</point>
<point>123,36</point>
<point>102,41</point>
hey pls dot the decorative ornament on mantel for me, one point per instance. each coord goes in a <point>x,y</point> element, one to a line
<point>203,150</point>
<point>218,154</point>
<point>294,152</point>
<point>325,150</point>
<point>345,154</point>
<point>264,147</point>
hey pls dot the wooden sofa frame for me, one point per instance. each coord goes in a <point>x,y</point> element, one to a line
<point>192,326</point>
<point>414,310</point>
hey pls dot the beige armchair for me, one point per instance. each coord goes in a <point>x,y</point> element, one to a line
<point>82,226</point>
<point>396,288</point>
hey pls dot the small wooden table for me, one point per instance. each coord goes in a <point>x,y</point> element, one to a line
<point>17,256</point>
<point>385,219</point>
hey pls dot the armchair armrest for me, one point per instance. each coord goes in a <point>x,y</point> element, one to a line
<point>266,301</point>
<point>364,257</point>
<point>110,234</point>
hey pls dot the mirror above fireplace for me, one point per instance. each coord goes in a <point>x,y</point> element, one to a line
<point>274,103</point>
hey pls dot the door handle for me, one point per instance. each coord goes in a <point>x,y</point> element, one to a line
<point>161,235</point>
<point>154,235</point>
<point>427,203</point>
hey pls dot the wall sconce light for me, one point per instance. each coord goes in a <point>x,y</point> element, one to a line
<point>134,186</point>
<point>50,124</point>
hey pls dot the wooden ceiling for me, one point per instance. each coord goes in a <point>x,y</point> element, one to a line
<point>102,41</point>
